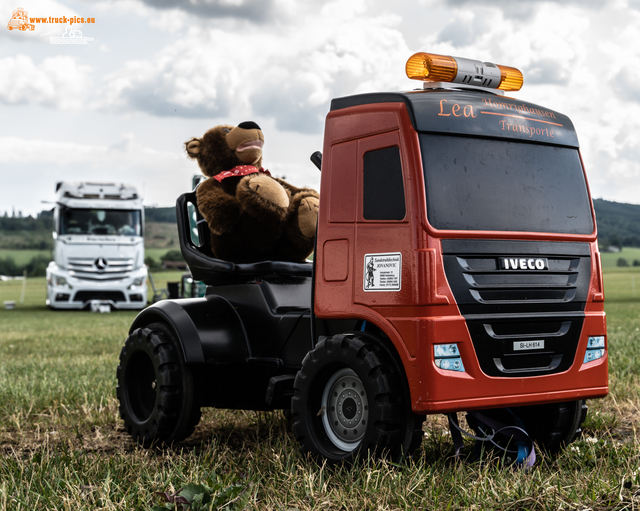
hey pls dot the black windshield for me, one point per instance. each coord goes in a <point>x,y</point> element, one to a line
<point>113,222</point>
<point>478,184</point>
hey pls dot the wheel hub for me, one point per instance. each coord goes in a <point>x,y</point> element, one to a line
<point>346,409</point>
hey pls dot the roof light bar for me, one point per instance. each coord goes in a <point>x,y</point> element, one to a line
<point>429,67</point>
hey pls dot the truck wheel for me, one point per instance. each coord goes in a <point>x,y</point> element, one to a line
<point>349,400</point>
<point>555,425</point>
<point>156,388</point>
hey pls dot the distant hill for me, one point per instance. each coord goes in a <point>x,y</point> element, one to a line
<point>165,215</point>
<point>28,233</point>
<point>618,223</point>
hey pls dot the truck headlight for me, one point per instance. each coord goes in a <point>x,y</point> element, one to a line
<point>447,357</point>
<point>595,349</point>
<point>60,281</point>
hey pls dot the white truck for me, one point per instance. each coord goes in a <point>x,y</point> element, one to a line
<point>98,257</point>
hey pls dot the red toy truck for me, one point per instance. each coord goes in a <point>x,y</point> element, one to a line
<point>456,268</point>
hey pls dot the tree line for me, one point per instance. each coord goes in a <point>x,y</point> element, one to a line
<point>618,223</point>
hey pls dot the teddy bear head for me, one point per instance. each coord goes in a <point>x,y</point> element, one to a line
<point>225,147</point>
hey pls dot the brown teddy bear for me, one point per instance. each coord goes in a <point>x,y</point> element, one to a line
<point>252,216</point>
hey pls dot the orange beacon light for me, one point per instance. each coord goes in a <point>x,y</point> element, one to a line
<point>430,67</point>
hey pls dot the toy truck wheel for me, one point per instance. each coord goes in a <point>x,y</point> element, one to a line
<point>156,388</point>
<point>555,425</point>
<point>349,400</point>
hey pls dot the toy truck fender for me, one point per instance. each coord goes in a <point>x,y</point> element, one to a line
<point>208,329</point>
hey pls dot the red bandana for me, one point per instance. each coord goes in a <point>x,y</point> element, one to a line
<point>240,170</point>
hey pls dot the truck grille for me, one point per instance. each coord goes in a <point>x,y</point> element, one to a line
<point>505,308</point>
<point>86,296</point>
<point>100,269</point>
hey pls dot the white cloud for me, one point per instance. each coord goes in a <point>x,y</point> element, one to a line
<point>159,175</point>
<point>253,10</point>
<point>58,82</point>
<point>289,75</point>
<point>522,10</point>
<point>23,150</point>
<point>183,80</point>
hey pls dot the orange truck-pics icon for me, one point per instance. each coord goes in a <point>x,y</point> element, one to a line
<point>19,21</point>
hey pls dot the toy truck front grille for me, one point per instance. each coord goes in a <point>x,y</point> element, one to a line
<point>523,301</point>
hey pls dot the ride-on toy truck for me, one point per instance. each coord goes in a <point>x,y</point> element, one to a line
<point>456,268</point>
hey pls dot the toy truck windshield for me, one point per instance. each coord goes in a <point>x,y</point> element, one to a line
<point>479,184</point>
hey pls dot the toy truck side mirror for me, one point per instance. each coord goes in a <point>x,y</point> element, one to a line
<point>316,159</point>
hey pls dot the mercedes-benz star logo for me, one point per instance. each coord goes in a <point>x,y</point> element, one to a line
<point>101,263</point>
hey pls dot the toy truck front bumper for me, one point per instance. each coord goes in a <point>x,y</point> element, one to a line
<point>67,292</point>
<point>438,387</point>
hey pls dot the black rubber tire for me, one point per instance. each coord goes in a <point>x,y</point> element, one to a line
<point>555,425</point>
<point>158,403</point>
<point>350,401</point>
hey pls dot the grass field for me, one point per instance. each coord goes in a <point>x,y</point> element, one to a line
<point>609,259</point>
<point>22,257</point>
<point>63,446</point>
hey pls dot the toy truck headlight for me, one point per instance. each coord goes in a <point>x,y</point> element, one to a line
<point>59,281</point>
<point>595,349</point>
<point>447,357</point>
<point>429,67</point>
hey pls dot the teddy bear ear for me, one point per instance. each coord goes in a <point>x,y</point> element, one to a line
<point>193,147</point>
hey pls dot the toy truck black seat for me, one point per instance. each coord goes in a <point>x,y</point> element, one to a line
<point>213,272</point>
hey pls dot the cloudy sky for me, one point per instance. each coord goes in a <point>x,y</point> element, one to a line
<point>152,74</point>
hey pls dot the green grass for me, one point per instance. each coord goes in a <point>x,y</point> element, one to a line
<point>157,253</point>
<point>22,257</point>
<point>63,446</point>
<point>622,285</point>
<point>609,259</point>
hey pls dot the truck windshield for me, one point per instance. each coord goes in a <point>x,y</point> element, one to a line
<point>114,222</point>
<point>477,184</point>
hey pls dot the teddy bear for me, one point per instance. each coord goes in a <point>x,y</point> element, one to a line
<point>252,216</point>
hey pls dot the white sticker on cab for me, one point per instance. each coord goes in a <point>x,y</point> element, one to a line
<point>383,272</point>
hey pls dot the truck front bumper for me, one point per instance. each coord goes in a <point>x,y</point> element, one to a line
<point>442,387</point>
<point>66,292</point>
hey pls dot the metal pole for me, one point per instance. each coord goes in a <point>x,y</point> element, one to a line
<point>24,285</point>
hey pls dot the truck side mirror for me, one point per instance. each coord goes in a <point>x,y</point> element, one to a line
<point>316,158</point>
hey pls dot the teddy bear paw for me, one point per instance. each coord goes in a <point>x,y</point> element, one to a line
<point>267,189</point>
<point>308,216</point>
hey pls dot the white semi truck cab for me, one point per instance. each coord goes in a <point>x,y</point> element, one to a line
<point>98,255</point>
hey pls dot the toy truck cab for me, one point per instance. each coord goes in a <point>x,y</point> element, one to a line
<point>469,241</point>
<point>456,268</point>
